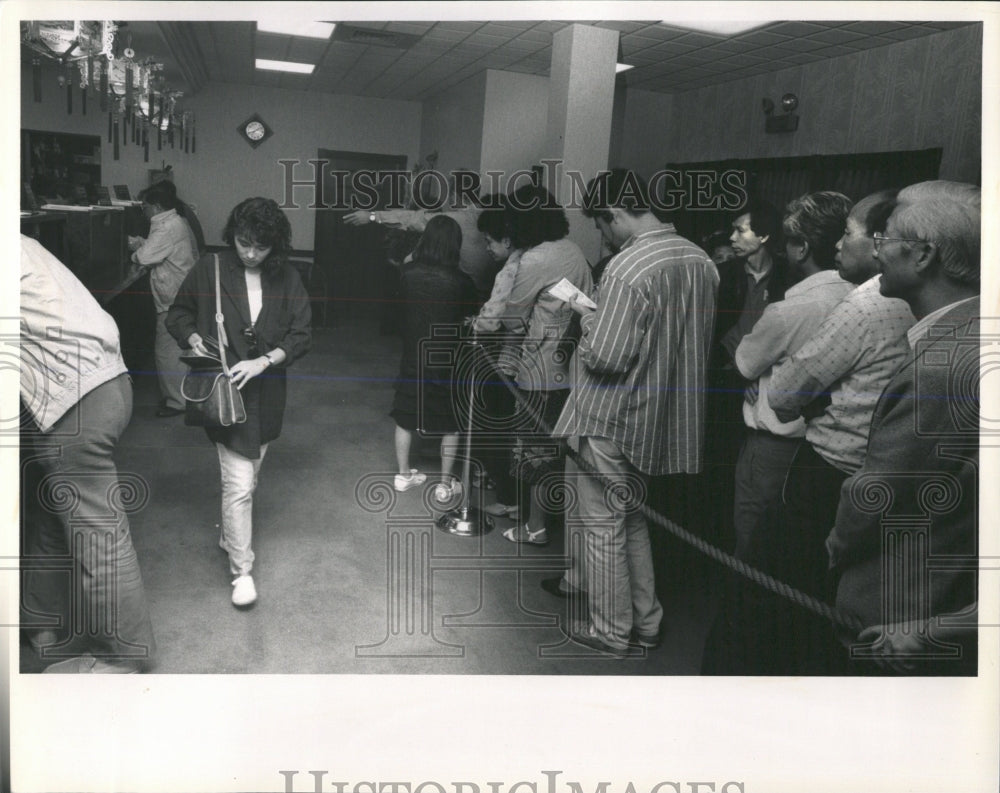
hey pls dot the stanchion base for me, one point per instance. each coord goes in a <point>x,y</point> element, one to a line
<point>464,523</point>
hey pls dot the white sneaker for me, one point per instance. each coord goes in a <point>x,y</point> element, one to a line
<point>402,482</point>
<point>446,492</point>
<point>244,592</point>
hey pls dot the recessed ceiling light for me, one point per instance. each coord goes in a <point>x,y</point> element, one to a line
<point>285,66</point>
<point>719,27</point>
<point>623,67</point>
<point>312,30</point>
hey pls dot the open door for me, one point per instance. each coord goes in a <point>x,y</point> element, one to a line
<point>352,258</point>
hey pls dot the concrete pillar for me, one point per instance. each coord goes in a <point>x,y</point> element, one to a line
<point>581,103</point>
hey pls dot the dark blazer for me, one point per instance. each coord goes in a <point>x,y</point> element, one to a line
<point>920,471</point>
<point>283,322</point>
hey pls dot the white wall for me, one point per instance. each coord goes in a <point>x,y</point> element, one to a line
<point>452,125</point>
<point>225,169</point>
<point>514,124</point>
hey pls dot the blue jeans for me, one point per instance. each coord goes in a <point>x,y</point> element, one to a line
<point>76,525</point>
<point>619,561</point>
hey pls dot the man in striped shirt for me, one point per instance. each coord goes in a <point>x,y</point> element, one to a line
<point>638,401</point>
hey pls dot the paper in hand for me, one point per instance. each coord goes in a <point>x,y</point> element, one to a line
<point>564,290</point>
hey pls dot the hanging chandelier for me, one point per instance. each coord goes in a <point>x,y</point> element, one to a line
<point>132,91</point>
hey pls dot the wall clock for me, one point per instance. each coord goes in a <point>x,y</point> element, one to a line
<point>254,130</point>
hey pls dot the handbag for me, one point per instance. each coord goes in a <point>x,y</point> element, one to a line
<point>211,398</point>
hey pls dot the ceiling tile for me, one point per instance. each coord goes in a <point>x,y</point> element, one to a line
<point>662,32</point>
<point>835,51</point>
<point>733,46</point>
<point>716,68</point>
<point>525,46</point>
<point>444,35</point>
<point>800,45</point>
<point>472,47</point>
<point>461,27</point>
<point>872,27</point>
<point>870,42</point>
<point>951,25</point>
<point>409,27</point>
<point>744,60</point>
<point>551,26</point>
<point>836,36</point>
<point>622,25</point>
<point>911,32</point>
<point>513,24</point>
<point>303,50</point>
<point>697,40</point>
<point>684,60</point>
<point>535,35</point>
<point>797,29</point>
<point>637,42</point>
<point>675,29</point>
<point>760,38</point>
<point>492,40</point>
<point>273,48</point>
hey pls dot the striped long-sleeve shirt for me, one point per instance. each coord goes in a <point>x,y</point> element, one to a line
<point>639,378</point>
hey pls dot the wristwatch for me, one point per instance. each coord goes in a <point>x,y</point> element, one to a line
<point>373,218</point>
<point>267,356</point>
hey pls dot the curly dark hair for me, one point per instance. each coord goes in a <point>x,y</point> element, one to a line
<point>492,219</point>
<point>261,221</point>
<point>533,216</point>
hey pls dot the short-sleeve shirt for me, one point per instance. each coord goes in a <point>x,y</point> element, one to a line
<point>854,353</point>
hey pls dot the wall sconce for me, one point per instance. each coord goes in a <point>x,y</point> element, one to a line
<point>789,122</point>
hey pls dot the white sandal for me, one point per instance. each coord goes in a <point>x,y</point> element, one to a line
<point>522,534</point>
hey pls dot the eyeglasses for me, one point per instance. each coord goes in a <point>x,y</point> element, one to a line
<point>879,238</point>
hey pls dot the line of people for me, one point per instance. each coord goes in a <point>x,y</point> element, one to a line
<point>792,353</point>
<point>840,358</point>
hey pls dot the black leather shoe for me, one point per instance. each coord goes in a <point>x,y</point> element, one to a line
<point>165,412</point>
<point>553,587</point>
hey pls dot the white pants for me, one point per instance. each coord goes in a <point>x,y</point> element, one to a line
<point>239,481</point>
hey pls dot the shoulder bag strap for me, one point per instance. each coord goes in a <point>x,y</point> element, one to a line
<point>223,341</point>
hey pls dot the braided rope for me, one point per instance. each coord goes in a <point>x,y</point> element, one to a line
<point>762,579</point>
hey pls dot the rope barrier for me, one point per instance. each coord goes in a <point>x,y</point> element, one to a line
<point>762,579</point>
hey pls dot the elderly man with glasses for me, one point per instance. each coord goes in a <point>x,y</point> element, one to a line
<point>903,549</point>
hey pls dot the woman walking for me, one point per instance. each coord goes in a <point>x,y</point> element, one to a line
<point>267,326</point>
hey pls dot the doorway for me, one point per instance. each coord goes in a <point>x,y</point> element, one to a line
<point>352,258</point>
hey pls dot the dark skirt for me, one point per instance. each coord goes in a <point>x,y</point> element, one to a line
<point>431,411</point>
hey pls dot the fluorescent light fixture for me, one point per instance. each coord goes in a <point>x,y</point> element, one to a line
<point>623,67</point>
<point>285,66</point>
<point>312,30</point>
<point>720,27</point>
